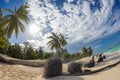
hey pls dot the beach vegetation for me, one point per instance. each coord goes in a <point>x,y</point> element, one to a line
<point>57,42</point>
<point>14,20</point>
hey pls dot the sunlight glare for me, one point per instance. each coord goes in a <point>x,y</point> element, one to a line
<point>34,29</point>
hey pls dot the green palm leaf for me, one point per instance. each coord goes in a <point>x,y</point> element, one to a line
<point>14,20</point>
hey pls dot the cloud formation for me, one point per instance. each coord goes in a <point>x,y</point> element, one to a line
<point>82,21</point>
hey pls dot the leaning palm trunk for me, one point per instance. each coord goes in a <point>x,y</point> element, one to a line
<point>59,52</point>
<point>9,60</point>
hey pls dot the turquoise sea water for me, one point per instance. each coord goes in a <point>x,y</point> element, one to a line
<point>114,49</point>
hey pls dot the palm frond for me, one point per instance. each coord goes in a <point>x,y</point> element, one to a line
<point>21,26</point>
<point>10,11</point>
<point>4,24</point>
<point>14,20</point>
<point>24,18</point>
<point>9,29</point>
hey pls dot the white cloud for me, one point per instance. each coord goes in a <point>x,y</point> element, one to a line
<point>78,22</point>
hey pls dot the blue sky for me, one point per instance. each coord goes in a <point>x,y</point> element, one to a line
<point>10,3</point>
<point>87,23</point>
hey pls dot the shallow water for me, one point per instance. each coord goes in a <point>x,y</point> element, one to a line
<point>113,50</point>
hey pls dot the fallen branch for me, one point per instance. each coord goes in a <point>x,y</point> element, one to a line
<point>92,72</point>
<point>33,63</point>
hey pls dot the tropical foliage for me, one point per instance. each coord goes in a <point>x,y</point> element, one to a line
<point>3,40</point>
<point>1,17</point>
<point>57,42</point>
<point>15,51</point>
<point>87,51</point>
<point>23,52</point>
<point>3,43</point>
<point>14,20</point>
<point>40,52</point>
<point>11,22</point>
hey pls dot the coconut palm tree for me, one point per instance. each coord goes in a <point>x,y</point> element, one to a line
<point>14,20</point>
<point>1,22</point>
<point>26,46</point>
<point>57,41</point>
<point>62,41</point>
<point>54,42</point>
<point>41,52</point>
<point>84,52</point>
<point>90,51</point>
<point>3,41</point>
<point>1,17</point>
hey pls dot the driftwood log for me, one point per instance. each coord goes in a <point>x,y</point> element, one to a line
<point>33,63</point>
<point>95,71</point>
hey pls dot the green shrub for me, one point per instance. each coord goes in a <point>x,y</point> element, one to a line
<point>74,67</point>
<point>47,55</point>
<point>14,51</point>
<point>53,67</point>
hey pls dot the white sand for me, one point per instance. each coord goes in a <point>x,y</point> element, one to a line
<point>19,72</point>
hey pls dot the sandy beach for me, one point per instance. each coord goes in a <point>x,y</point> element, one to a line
<point>19,72</point>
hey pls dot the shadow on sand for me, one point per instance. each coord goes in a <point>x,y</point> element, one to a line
<point>66,78</point>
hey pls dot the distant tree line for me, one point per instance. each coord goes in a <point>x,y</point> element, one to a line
<point>86,52</point>
<point>27,52</point>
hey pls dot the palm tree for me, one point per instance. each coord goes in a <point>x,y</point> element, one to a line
<point>57,41</point>
<point>41,52</point>
<point>3,41</point>
<point>62,41</point>
<point>54,42</point>
<point>1,17</point>
<point>84,52</point>
<point>14,20</point>
<point>90,51</point>
<point>26,46</point>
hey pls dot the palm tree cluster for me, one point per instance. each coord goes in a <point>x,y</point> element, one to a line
<point>21,52</point>
<point>57,42</point>
<point>27,52</point>
<point>12,22</point>
<point>87,51</point>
